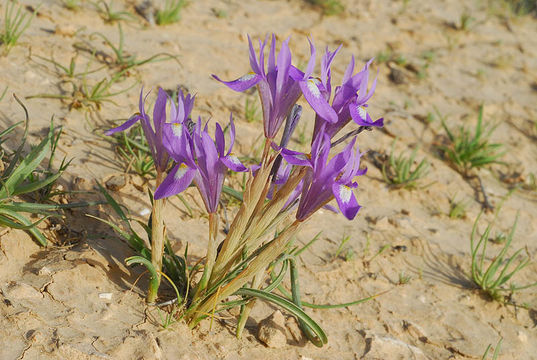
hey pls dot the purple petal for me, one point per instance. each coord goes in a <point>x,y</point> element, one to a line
<point>360,116</point>
<point>315,98</point>
<point>179,178</point>
<point>272,55</point>
<point>177,142</point>
<point>326,63</point>
<point>159,111</point>
<point>253,61</point>
<point>284,62</point>
<point>243,83</point>
<point>233,163</point>
<point>231,134</point>
<point>209,160</point>
<point>295,73</point>
<point>348,72</point>
<point>219,139</point>
<point>296,158</point>
<point>127,124</point>
<point>346,200</point>
<point>311,62</point>
<point>262,56</point>
<point>331,208</point>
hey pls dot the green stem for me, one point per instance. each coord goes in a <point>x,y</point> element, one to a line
<point>295,290</point>
<point>157,243</point>
<point>211,255</point>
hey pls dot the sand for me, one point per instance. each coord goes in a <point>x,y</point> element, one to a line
<point>76,299</point>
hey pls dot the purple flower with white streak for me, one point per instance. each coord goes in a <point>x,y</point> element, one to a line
<point>152,132</point>
<point>278,86</point>
<point>325,179</point>
<point>349,100</point>
<point>199,159</point>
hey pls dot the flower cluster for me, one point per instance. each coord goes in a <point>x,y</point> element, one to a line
<point>279,88</point>
<point>296,184</point>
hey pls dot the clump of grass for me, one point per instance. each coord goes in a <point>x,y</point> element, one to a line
<point>404,278</point>
<point>467,150</point>
<point>72,5</point>
<point>348,253</point>
<point>132,147</point>
<point>110,16</point>
<point>513,7</point>
<point>170,13</point>
<point>120,59</point>
<point>496,352</point>
<point>68,71</point>
<point>251,111</point>
<point>531,183</point>
<point>457,208</point>
<point>30,175</point>
<point>492,276</point>
<point>87,95</point>
<point>15,24</point>
<point>465,22</point>
<point>400,171</point>
<point>328,7</point>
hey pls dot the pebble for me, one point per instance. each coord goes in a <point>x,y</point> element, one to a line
<point>106,296</point>
<point>65,30</point>
<point>116,183</point>
<point>21,291</point>
<point>292,325</point>
<point>82,184</point>
<point>271,331</point>
<point>384,347</point>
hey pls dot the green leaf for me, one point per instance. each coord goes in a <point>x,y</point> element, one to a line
<point>288,306</point>
<point>154,281</point>
<point>21,222</point>
<point>26,166</point>
<point>36,185</point>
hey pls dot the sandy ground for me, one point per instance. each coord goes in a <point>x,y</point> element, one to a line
<point>50,298</point>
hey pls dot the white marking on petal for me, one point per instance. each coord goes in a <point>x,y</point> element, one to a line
<point>312,86</point>
<point>362,112</point>
<point>177,129</point>
<point>247,77</point>
<point>345,193</point>
<point>234,159</point>
<point>301,157</point>
<point>181,172</point>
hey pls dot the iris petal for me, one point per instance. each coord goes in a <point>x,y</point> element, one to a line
<point>179,178</point>
<point>346,200</point>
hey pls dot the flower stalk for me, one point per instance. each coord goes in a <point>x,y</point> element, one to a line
<point>157,242</point>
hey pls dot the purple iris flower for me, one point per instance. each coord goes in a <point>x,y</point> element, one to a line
<point>278,87</point>
<point>199,159</point>
<point>327,179</point>
<point>153,133</point>
<point>349,100</point>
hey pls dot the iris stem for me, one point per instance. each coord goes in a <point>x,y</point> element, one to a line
<point>349,134</point>
<point>211,255</point>
<point>157,241</point>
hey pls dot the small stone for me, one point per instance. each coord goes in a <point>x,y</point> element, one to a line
<point>397,76</point>
<point>106,296</point>
<point>385,347</point>
<point>21,291</point>
<point>145,212</point>
<point>292,326</point>
<point>271,331</point>
<point>65,30</point>
<point>82,184</point>
<point>45,271</point>
<point>116,183</point>
<point>522,336</point>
